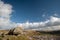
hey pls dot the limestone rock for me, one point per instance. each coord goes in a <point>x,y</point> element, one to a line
<point>16,31</point>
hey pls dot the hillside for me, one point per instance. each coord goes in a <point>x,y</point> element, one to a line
<point>20,34</point>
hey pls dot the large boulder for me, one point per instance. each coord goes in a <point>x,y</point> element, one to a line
<point>16,31</point>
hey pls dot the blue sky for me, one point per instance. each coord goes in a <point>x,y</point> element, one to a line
<point>33,10</point>
<point>30,14</point>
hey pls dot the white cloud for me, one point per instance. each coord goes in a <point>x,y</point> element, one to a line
<point>5,9</point>
<point>5,14</point>
<point>51,24</point>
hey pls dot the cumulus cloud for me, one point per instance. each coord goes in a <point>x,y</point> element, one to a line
<point>5,9</point>
<point>51,24</point>
<point>5,14</point>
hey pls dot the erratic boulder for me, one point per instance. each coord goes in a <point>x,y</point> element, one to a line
<point>15,31</point>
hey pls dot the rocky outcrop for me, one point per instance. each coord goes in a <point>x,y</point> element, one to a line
<point>16,31</point>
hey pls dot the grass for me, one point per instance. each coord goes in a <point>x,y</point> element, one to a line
<point>23,36</point>
<point>13,37</point>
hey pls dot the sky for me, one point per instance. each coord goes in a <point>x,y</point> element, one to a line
<point>31,14</point>
<point>33,10</point>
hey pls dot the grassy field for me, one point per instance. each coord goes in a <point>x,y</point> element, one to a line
<point>29,35</point>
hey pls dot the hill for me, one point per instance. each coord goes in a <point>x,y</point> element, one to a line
<point>19,34</point>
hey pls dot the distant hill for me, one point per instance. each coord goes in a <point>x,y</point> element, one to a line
<point>55,32</point>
